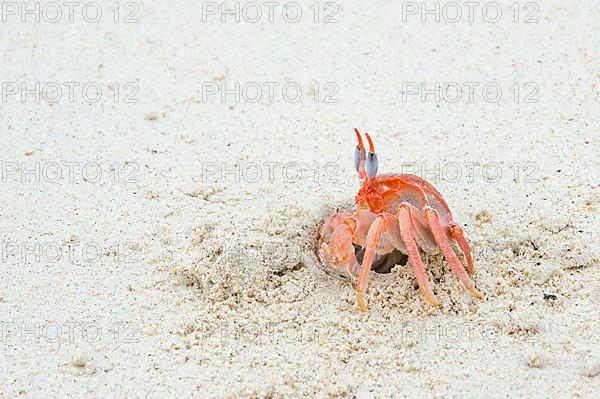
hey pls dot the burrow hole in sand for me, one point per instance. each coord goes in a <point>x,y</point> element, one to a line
<point>385,263</point>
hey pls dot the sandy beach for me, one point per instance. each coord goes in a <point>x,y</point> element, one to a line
<point>166,168</point>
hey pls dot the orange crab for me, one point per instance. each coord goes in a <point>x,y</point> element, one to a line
<point>394,212</point>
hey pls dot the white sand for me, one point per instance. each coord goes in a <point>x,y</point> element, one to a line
<point>204,285</point>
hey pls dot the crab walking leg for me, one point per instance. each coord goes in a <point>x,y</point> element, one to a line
<point>373,237</point>
<point>457,233</point>
<point>440,238</point>
<point>408,236</point>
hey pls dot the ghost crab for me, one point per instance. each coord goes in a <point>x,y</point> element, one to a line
<point>393,212</point>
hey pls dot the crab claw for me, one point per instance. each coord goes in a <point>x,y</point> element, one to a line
<point>335,247</point>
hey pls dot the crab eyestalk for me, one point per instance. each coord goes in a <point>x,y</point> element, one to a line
<point>372,163</point>
<point>359,157</point>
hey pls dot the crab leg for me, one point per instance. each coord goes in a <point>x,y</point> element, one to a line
<point>440,238</point>
<point>373,237</point>
<point>408,236</point>
<point>457,233</point>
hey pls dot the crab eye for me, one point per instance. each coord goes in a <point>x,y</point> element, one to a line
<point>358,156</point>
<point>372,165</point>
